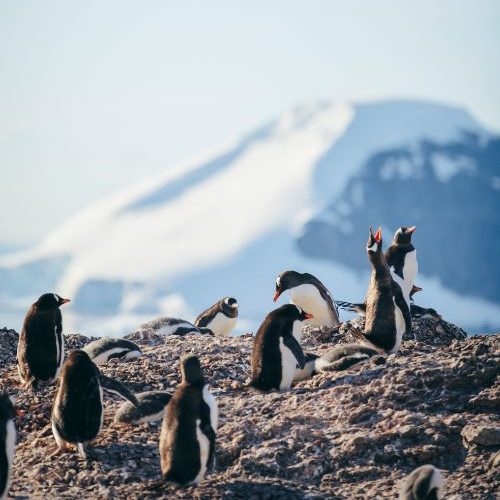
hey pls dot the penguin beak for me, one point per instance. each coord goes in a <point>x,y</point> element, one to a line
<point>277,295</point>
<point>411,229</point>
<point>65,301</point>
<point>378,235</point>
<point>308,316</point>
<point>235,306</point>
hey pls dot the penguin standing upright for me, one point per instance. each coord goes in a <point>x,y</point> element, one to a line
<point>387,311</point>
<point>7,441</point>
<point>220,318</point>
<point>423,483</point>
<point>40,352</point>
<point>77,412</point>
<point>401,258</point>
<point>277,353</point>
<point>187,439</point>
<point>307,292</point>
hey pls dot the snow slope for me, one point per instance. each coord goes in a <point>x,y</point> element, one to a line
<point>227,223</point>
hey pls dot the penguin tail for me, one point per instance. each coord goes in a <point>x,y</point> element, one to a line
<point>355,307</point>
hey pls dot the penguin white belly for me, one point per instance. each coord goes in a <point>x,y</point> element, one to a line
<point>308,298</point>
<point>222,325</point>
<point>10,443</point>
<point>410,269</point>
<point>288,366</point>
<point>306,372</point>
<point>209,398</point>
<point>204,444</point>
<point>403,285</point>
<point>400,327</point>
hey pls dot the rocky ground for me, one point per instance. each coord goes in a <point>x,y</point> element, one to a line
<point>347,435</point>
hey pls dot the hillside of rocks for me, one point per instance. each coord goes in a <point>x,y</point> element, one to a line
<point>348,435</point>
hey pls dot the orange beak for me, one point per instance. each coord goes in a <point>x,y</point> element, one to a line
<point>378,235</point>
<point>411,229</point>
<point>276,295</point>
<point>308,315</point>
<point>65,301</point>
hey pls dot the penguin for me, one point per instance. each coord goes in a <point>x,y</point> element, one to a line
<point>401,257</point>
<point>169,326</point>
<point>188,433</point>
<point>40,352</point>
<point>77,412</point>
<point>360,307</point>
<point>102,350</point>
<point>347,356</point>
<point>423,483</point>
<point>7,441</point>
<point>424,312</point>
<point>307,292</point>
<point>276,352</point>
<point>387,312</point>
<point>150,409</point>
<point>220,318</point>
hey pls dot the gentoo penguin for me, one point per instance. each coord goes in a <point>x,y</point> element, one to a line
<point>102,350</point>
<point>307,292</point>
<point>424,483</point>
<point>187,439</point>
<point>220,318</point>
<point>151,408</point>
<point>7,441</point>
<point>40,352</point>
<point>346,356</point>
<point>387,312</point>
<point>360,307</point>
<point>401,258</point>
<point>309,367</point>
<point>169,326</point>
<point>77,411</point>
<point>276,353</point>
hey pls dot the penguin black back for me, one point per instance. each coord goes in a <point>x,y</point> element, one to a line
<point>41,345</point>
<point>187,440</point>
<point>282,325</point>
<point>423,483</point>
<point>77,409</point>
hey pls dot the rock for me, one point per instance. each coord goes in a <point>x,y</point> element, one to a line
<point>351,435</point>
<point>482,434</point>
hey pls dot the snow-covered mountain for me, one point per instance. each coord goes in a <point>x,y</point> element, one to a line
<point>299,194</point>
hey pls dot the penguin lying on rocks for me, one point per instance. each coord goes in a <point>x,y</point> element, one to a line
<point>188,433</point>
<point>7,441</point>
<point>77,411</point>
<point>102,350</point>
<point>307,292</point>
<point>346,356</point>
<point>166,326</point>
<point>220,318</point>
<point>423,483</point>
<point>40,352</point>
<point>276,352</point>
<point>151,408</point>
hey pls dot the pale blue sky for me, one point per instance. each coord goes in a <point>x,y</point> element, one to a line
<point>95,95</point>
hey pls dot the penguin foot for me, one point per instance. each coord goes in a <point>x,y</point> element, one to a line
<point>59,450</point>
<point>82,451</point>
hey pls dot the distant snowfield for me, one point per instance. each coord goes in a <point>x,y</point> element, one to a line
<point>226,224</point>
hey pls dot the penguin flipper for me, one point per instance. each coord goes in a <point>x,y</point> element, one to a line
<point>115,387</point>
<point>403,306</point>
<point>291,342</point>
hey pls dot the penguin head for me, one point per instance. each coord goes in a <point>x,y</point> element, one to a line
<point>303,315</point>
<point>191,371</point>
<point>292,312</point>
<point>230,302</point>
<point>402,236</point>
<point>285,281</point>
<point>81,360</point>
<point>374,243</point>
<point>414,289</point>
<point>50,301</point>
<point>7,409</point>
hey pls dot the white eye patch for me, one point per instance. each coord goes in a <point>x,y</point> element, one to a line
<point>278,281</point>
<point>56,297</point>
<point>299,309</point>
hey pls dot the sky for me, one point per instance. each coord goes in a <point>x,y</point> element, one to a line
<point>97,95</point>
